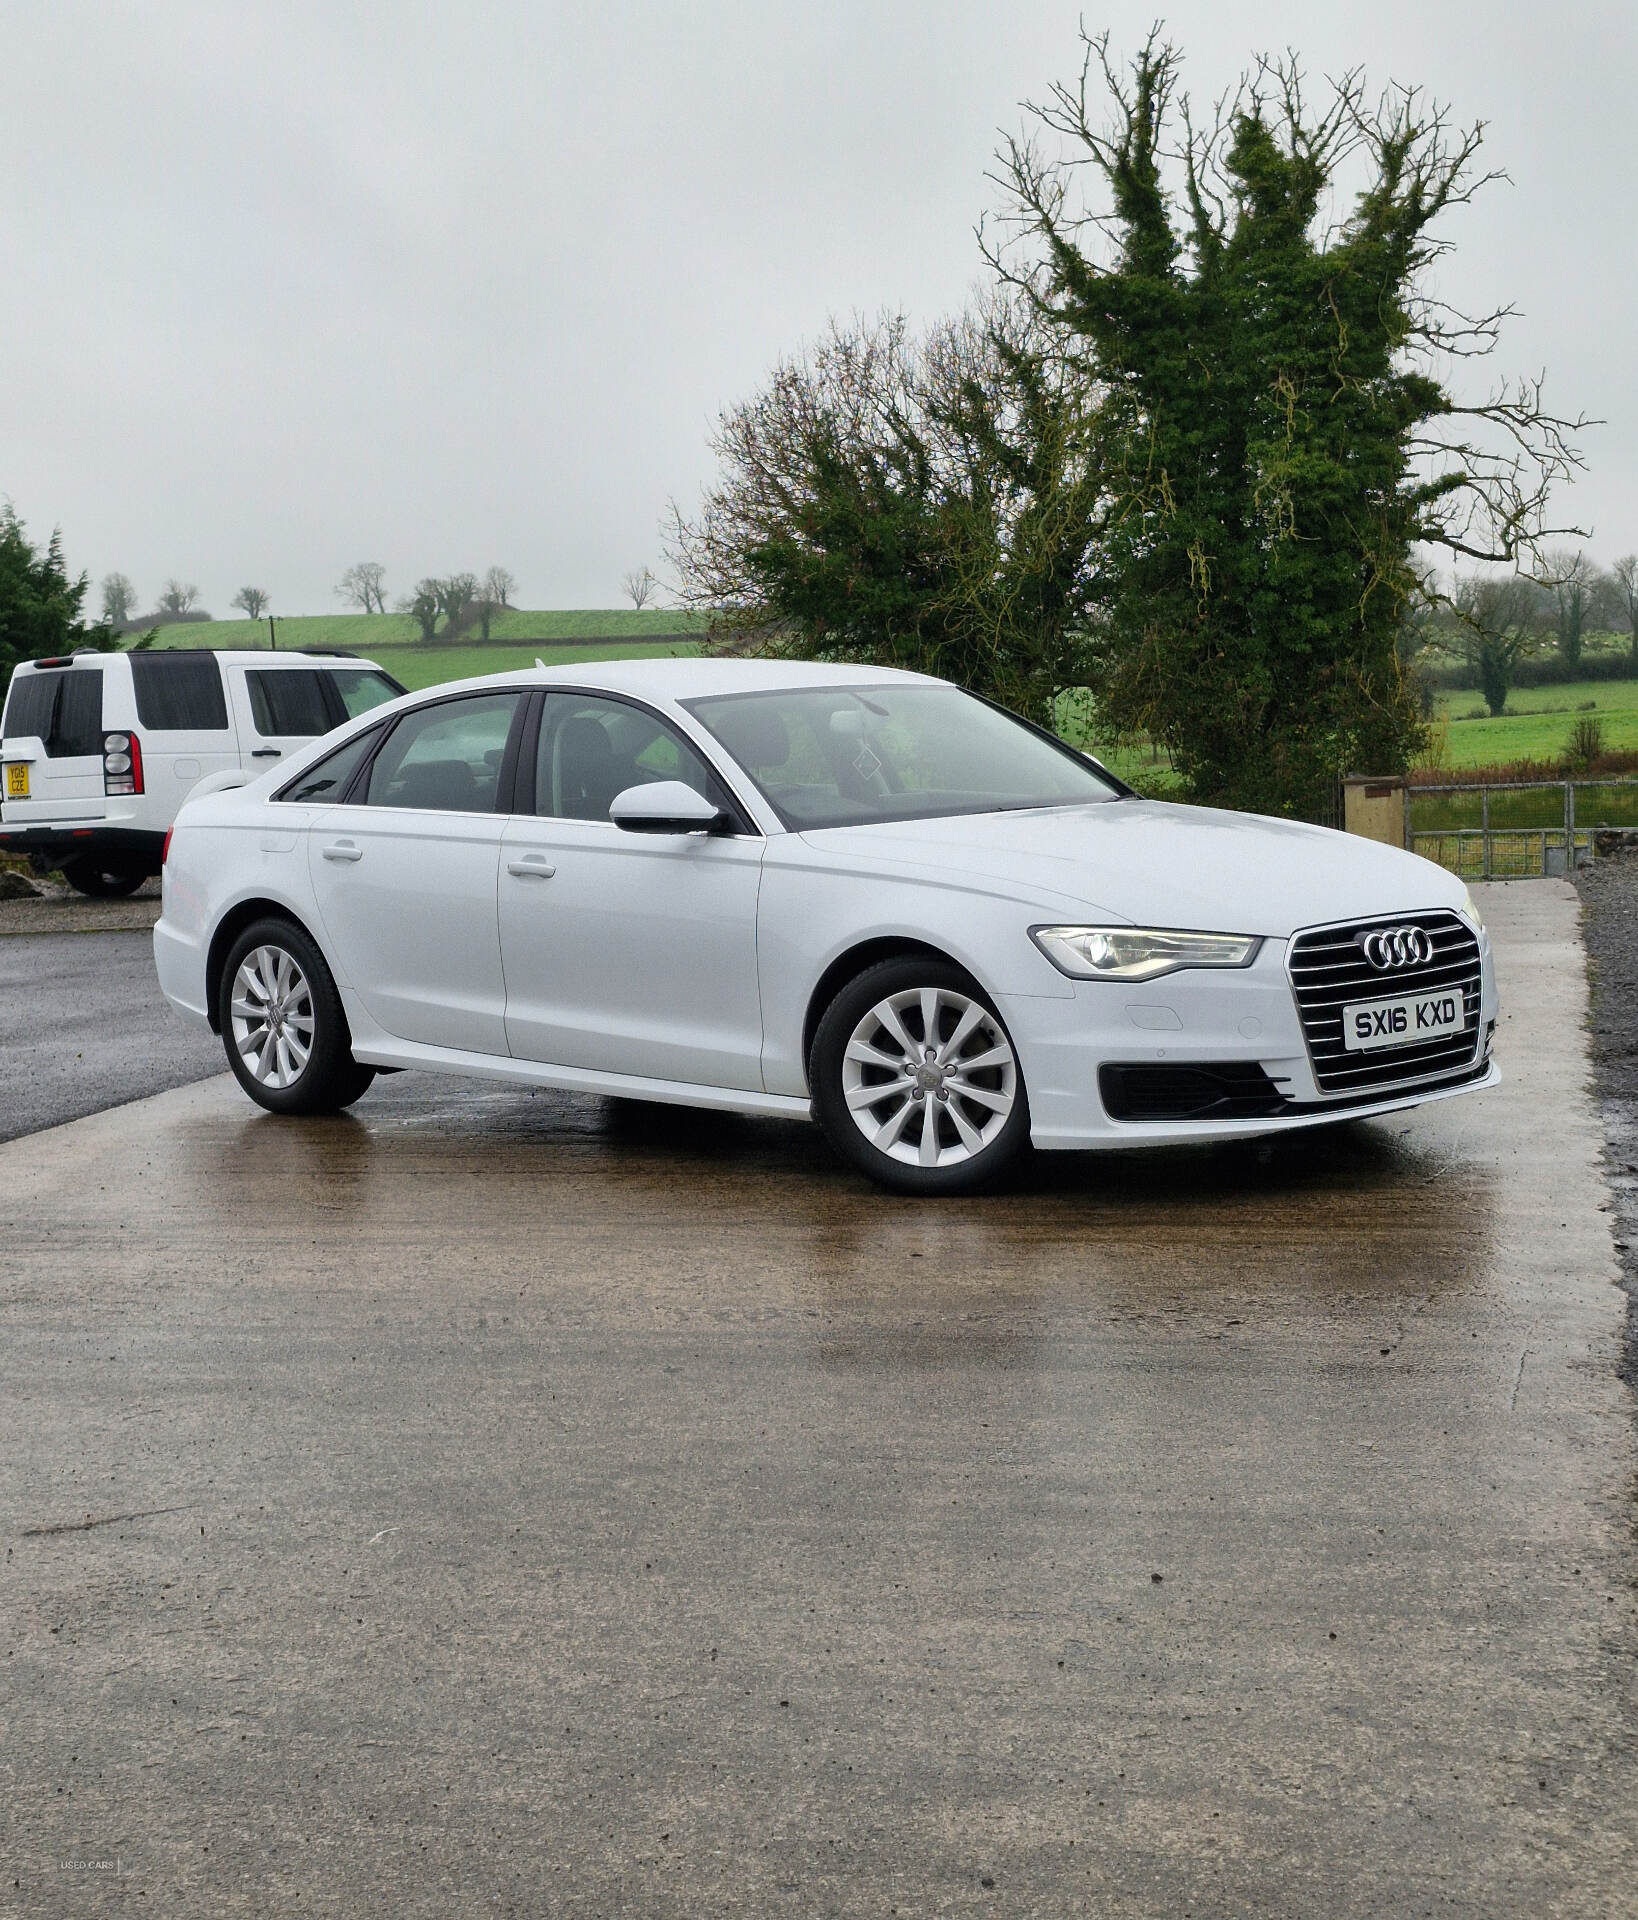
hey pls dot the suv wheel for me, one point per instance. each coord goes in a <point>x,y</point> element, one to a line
<point>282,1024</point>
<point>915,1079</point>
<point>102,882</point>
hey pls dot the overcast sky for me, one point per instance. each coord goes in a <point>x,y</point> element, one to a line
<point>292,285</point>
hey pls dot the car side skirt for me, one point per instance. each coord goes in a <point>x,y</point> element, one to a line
<point>382,1051</point>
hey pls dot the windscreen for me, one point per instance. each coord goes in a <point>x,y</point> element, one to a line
<point>851,756</point>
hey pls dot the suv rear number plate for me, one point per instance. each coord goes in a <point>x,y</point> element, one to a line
<point>1401,1023</point>
<point>16,779</point>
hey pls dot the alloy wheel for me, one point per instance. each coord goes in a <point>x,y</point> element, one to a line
<point>273,1020</point>
<point>929,1077</point>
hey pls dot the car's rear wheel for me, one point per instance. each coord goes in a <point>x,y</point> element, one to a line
<point>283,1025</point>
<point>103,882</point>
<point>916,1081</point>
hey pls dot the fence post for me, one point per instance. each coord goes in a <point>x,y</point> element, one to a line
<point>1484,827</point>
<point>1569,826</point>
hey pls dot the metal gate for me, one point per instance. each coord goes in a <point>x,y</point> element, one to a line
<point>1518,830</point>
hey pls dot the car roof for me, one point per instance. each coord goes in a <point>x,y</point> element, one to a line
<point>689,678</point>
<point>247,656</point>
<point>268,656</point>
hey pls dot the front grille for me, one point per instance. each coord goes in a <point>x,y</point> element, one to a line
<point>1329,971</point>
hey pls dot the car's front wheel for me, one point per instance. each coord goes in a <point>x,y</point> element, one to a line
<point>916,1081</point>
<point>283,1025</point>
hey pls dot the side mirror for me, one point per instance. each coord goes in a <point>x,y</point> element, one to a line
<point>665,806</point>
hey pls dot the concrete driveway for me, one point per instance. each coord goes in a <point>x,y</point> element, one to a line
<point>495,1504</point>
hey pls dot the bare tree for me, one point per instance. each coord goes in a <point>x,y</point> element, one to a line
<point>364,587</point>
<point>1499,624</point>
<point>118,599</point>
<point>1624,593</point>
<point>499,584</point>
<point>640,586</point>
<point>253,601</point>
<point>178,598</point>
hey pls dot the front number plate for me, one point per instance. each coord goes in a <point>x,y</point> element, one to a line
<point>1403,1022</point>
<point>16,779</point>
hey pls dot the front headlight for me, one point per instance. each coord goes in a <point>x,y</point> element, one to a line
<point>1470,912</point>
<point>1140,953</point>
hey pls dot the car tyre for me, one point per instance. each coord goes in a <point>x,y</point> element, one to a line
<point>916,1081</point>
<point>283,1026</point>
<point>101,882</point>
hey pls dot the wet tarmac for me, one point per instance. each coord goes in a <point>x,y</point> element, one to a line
<point>519,1504</point>
<point>83,1026</point>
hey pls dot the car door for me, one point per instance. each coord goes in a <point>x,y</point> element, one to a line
<point>626,952</point>
<point>404,871</point>
<point>280,708</point>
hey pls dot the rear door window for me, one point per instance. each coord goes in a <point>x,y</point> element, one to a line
<point>64,708</point>
<point>291,700</point>
<point>179,694</point>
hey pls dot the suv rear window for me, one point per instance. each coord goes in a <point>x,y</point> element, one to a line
<point>63,706</point>
<point>179,693</point>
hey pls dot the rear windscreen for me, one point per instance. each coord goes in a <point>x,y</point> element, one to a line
<point>181,694</point>
<point>63,707</point>
<point>31,704</point>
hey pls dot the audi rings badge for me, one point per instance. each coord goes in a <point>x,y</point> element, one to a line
<point>1389,949</point>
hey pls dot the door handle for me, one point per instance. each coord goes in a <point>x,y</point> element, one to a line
<point>265,753</point>
<point>342,850</point>
<point>531,867</point>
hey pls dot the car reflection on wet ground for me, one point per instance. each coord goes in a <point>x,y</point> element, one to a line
<point>559,1506</point>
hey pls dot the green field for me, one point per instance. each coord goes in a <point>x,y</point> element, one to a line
<point>1536,726</point>
<point>560,636</point>
<point>418,667</point>
<point>1537,723</point>
<point>364,632</point>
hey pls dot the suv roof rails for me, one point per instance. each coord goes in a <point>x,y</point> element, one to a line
<point>326,653</point>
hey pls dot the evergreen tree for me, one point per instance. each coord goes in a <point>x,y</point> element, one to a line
<point>40,602</point>
<point>1277,440</point>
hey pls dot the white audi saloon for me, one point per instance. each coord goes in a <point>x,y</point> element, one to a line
<point>861,896</point>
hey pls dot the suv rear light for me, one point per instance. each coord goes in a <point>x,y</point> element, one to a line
<point>165,851</point>
<point>121,763</point>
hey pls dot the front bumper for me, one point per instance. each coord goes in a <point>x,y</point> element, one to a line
<point>50,846</point>
<point>1244,1022</point>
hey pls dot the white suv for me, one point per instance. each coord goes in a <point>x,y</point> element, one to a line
<point>100,749</point>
